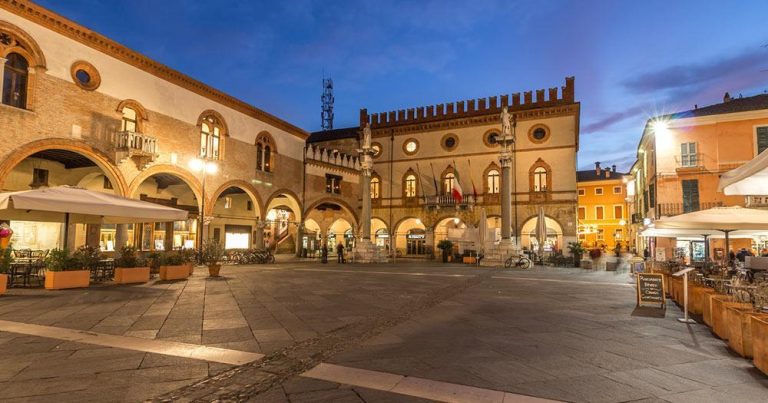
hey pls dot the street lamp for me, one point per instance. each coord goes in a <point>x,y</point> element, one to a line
<point>204,167</point>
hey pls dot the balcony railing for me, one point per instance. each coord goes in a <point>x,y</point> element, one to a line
<point>670,209</point>
<point>140,147</point>
<point>468,199</point>
<point>689,161</point>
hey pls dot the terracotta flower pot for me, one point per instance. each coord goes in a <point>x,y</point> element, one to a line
<point>129,275</point>
<point>760,342</point>
<point>740,329</point>
<point>174,272</point>
<point>59,280</point>
<point>3,283</point>
<point>213,270</point>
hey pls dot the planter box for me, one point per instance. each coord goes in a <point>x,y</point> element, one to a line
<point>131,275</point>
<point>469,260</point>
<point>191,268</point>
<point>718,311</point>
<point>586,264</point>
<point>174,272</point>
<point>59,280</point>
<point>696,299</point>
<point>740,330</point>
<point>3,283</point>
<point>706,309</point>
<point>760,343</point>
<point>720,316</point>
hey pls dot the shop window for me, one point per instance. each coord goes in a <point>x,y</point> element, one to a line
<point>332,184</point>
<point>15,77</point>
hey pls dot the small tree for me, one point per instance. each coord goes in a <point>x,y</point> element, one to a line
<point>59,260</point>
<point>213,252</point>
<point>446,246</point>
<point>577,250</point>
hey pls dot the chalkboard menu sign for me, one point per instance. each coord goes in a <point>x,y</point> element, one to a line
<point>650,288</point>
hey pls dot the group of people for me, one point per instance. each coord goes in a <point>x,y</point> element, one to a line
<point>340,249</point>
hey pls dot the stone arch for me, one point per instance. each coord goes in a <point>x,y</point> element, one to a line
<point>32,51</point>
<point>552,223</point>
<point>99,158</point>
<point>241,184</point>
<point>341,203</point>
<point>399,235</point>
<point>184,175</point>
<point>292,195</point>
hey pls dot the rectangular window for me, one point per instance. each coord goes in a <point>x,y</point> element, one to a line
<point>600,234</point>
<point>39,177</point>
<point>652,195</point>
<point>227,202</point>
<point>690,195</point>
<point>618,212</point>
<point>332,184</point>
<point>599,214</point>
<point>582,213</point>
<point>762,139</point>
<point>581,192</point>
<point>249,205</point>
<point>618,234</point>
<point>598,191</point>
<point>617,190</point>
<point>688,157</point>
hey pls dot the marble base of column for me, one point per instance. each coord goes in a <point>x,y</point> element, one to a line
<point>366,251</point>
<point>496,254</point>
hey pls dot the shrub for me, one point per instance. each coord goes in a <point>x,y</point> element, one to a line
<point>212,252</point>
<point>129,258</point>
<point>171,258</point>
<point>576,249</point>
<point>445,245</point>
<point>87,256</point>
<point>59,260</point>
<point>6,258</point>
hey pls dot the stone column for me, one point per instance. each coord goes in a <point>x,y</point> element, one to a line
<point>300,239</point>
<point>258,241</point>
<point>121,235</point>
<point>506,195</point>
<point>168,242</point>
<point>429,240</point>
<point>365,217</point>
<point>93,235</point>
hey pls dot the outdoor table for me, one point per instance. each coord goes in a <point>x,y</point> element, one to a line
<point>21,267</point>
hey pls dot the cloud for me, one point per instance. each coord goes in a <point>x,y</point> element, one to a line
<point>613,118</point>
<point>697,75</point>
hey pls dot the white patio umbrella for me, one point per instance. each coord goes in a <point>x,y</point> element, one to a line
<point>723,219</point>
<point>482,228</point>
<point>541,231</point>
<point>72,204</point>
<point>748,179</point>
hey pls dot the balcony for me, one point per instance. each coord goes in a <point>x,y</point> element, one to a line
<point>139,147</point>
<point>671,209</point>
<point>689,162</point>
<point>437,202</point>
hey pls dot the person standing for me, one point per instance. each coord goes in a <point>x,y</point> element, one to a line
<point>340,252</point>
<point>324,254</point>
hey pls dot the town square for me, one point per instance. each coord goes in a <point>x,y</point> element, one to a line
<point>383,201</point>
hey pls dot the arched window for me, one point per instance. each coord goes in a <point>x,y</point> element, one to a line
<point>493,181</point>
<point>540,179</point>
<point>130,121</point>
<point>210,137</point>
<point>15,77</point>
<point>410,185</point>
<point>267,158</point>
<point>448,182</point>
<point>259,156</point>
<point>375,188</point>
<point>265,150</point>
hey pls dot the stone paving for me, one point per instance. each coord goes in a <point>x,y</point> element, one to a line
<point>563,334</point>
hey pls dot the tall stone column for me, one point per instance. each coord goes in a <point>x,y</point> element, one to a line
<point>506,196</point>
<point>299,239</point>
<point>365,217</point>
<point>121,235</point>
<point>258,240</point>
<point>365,251</point>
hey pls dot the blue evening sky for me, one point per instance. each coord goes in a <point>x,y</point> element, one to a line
<point>631,59</point>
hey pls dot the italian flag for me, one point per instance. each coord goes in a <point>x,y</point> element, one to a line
<point>456,191</point>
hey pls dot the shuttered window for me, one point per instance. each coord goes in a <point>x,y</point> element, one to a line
<point>690,195</point>
<point>762,139</point>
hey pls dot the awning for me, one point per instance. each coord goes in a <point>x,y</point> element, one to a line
<point>68,203</point>
<point>750,179</point>
<point>718,218</point>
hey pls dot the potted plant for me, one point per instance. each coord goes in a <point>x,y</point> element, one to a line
<point>211,256</point>
<point>65,271</point>
<point>6,258</point>
<point>577,250</point>
<point>130,267</point>
<point>172,266</point>
<point>446,247</point>
<point>189,256</point>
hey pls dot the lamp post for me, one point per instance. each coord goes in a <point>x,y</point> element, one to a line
<point>204,167</point>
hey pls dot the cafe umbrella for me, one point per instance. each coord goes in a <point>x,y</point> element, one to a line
<point>68,204</point>
<point>541,232</point>
<point>748,179</point>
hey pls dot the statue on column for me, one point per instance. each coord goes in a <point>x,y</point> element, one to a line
<point>506,122</point>
<point>367,136</point>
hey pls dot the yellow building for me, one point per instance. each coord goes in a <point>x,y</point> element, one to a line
<point>602,210</point>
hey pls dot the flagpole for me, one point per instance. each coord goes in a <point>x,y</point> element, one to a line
<point>472,179</point>
<point>421,184</point>
<point>434,180</point>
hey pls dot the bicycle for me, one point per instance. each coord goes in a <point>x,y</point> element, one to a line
<point>520,261</point>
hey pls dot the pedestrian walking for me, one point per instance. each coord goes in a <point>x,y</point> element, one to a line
<point>340,252</point>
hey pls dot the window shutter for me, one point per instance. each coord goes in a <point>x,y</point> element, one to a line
<point>762,139</point>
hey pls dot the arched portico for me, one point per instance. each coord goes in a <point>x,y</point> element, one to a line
<point>554,239</point>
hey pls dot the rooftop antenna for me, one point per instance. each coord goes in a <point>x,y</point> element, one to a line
<point>327,98</point>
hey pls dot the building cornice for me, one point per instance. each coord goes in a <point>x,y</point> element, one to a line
<point>79,33</point>
<point>449,123</point>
